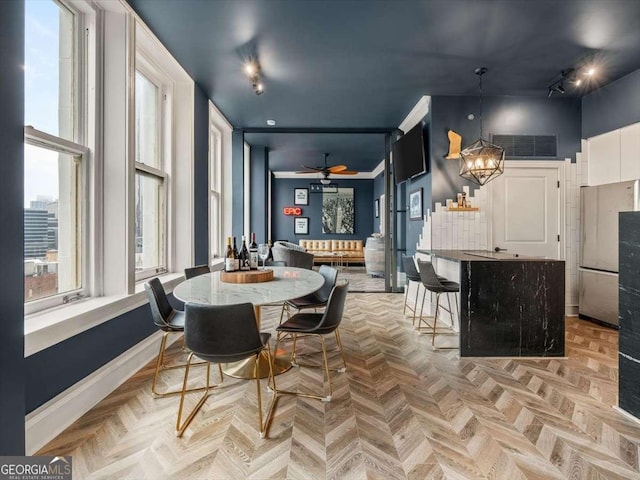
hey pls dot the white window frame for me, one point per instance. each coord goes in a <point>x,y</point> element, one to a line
<point>219,125</point>
<point>114,32</point>
<point>216,240</point>
<point>162,81</point>
<point>80,154</point>
<point>84,114</point>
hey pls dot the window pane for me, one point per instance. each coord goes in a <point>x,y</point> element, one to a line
<point>149,225</point>
<point>147,122</point>
<point>49,72</point>
<point>51,227</point>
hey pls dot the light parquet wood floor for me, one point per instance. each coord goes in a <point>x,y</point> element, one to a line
<point>401,411</point>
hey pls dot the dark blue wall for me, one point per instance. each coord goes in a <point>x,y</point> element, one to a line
<point>414,228</point>
<point>12,396</point>
<point>378,189</point>
<point>282,196</point>
<point>200,177</point>
<point>51,371</point>
<point>612,106</point>
<point>501,115</point>
<point>237,184</point>
<point>259,176</point>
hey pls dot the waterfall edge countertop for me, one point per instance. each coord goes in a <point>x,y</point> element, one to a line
<point>510,306</point>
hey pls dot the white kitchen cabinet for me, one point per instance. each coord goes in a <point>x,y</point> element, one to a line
<point>630,152</point>
<point>604,158</point>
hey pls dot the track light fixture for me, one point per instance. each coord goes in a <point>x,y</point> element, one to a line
<point>574,76</point>
<point>252,69</point>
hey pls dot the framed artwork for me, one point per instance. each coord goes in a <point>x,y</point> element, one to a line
<point>301,196</point>
<point>301,226</point>
<point>415,204</point>
<point>338,211</point>
<point>376,208</point>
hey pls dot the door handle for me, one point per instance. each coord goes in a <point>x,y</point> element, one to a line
<point>498,249</point>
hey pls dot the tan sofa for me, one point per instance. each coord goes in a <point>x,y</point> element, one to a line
<point>352,250</point>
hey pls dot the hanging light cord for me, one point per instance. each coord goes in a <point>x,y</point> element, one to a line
<point>480,75</point>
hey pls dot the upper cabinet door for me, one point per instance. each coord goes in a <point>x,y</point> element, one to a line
<point>630,152</point>
<point>604,158</point>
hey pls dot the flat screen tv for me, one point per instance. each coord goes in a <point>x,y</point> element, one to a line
<point>408,155</point>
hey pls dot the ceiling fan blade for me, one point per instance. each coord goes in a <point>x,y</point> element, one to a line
<point>337,168</point>
<point>306,172</point>
<point>346,172</point>
<point>315,169</point>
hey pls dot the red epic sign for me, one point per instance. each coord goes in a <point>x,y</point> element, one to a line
<point>295,211</point>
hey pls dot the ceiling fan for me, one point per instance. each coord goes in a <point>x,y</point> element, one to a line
<point>326,170</point>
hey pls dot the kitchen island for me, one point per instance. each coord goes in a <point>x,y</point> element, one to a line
<point>510,305</point>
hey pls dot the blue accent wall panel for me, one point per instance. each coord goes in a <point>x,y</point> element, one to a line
<point>258,178</point>
<point>612,106</point>
<point>501,115</point>
<point>12,396</point>
<point>237,183</point>
<point>201,177</point>
<point>282,196</point>
<point>53,370</point>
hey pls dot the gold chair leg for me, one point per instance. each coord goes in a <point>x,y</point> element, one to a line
<point>327,370</point>
<point>339,341</point>
<point>161,367</point>
<point>180,428</point>
<point>435,321</point>
<point>406,297</point>
<point>271,385</point>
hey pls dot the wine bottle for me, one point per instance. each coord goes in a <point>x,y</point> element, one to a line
<point>244,256</point>
<point>253,253</point>
<point>230,260</point>
<point>270,256</point>
<point>235,256</point>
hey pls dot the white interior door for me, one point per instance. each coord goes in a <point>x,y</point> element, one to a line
<point>526,209</point>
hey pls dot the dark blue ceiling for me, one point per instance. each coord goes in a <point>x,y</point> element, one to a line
<point>361,63</point>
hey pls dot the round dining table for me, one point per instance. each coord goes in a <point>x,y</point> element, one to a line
<point>288,283</point>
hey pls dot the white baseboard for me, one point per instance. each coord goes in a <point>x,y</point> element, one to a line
<point>49,420</point>
<point>626,414</point>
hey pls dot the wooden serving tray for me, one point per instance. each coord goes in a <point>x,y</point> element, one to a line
<point>247,276</point>
<point>463,209</point>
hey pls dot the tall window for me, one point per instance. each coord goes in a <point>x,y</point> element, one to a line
<point>215,185</point>
<point>54,159</point>
<point>150,196</point>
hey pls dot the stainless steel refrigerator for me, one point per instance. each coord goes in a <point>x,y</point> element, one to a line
<point>598,271</point>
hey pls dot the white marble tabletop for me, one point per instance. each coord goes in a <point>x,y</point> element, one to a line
<point>288,283</point>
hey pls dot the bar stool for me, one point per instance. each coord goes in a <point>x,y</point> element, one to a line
<point>412,275</point>
<point>438,285</point>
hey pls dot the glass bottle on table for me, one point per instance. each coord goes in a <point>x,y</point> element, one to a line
<point>235,255</point>
<point>244,256</point>
<point>253,253</point>
<point>230,259</point>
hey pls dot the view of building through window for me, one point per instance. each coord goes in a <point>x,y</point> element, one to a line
<point>149,181</point>
<point>51,175</point>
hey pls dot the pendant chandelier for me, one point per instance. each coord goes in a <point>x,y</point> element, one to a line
<point>482,161</point>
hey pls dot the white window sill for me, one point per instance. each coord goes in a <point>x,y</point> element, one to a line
<point>47,328</point>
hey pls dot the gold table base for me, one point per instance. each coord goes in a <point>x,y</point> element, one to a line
<point>245,368</point>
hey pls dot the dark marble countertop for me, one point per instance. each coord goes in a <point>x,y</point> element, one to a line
<point>482,256</point>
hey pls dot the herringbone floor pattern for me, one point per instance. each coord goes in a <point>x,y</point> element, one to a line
<point>400,411</point>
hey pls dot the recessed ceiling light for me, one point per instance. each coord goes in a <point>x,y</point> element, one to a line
<point>271,123</point>
<point>591,71</point>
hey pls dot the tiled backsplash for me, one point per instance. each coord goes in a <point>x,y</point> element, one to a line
<point>451,230</point>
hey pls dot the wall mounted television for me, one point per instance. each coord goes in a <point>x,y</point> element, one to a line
<point>409,155</point>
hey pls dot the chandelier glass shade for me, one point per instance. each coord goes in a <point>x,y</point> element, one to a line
<point>482,161</point>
